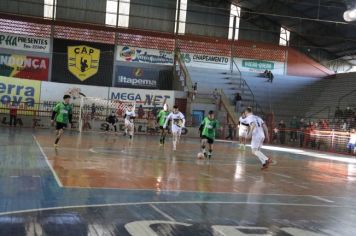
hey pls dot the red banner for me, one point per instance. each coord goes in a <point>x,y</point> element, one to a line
<point>25,67</point>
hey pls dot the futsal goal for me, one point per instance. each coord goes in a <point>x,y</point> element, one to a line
<point>93,112</point>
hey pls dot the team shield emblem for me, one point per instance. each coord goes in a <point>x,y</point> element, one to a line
<point>83,61</point>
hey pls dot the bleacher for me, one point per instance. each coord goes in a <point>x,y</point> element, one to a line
<point>281,97</point>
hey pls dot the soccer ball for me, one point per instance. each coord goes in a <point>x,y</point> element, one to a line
<point>200,155</point>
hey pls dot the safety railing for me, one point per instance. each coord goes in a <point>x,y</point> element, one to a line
<point>345,96</point>
<point>326,108</point>
<point>225,102</point>
<point>244,86</point>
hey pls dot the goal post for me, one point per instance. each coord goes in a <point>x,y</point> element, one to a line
<point>93,112</point>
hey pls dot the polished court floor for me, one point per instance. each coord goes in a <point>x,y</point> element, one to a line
<point>104,184</point>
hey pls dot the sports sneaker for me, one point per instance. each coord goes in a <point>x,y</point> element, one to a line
<point>209,156</point>
<point>174,148</point>
<point>55,146</point>
<point>130,136</point>
<point>265,166</point>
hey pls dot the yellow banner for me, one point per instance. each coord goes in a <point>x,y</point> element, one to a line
<point>21,93</point>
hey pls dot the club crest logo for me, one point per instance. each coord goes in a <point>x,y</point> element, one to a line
<point>137,72</point>
<point>128,54</point>
<point>83,61</point>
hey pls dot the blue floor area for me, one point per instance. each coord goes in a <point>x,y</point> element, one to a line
<point>30,193</point>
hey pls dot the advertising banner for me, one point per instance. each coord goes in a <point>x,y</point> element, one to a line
<point>54,92</point>
<point>24,42</point>
<point>136,77</point>
<point>86,63</point>
<point>25,67</point>
<point>143,55</point>
<point>252,65</point>
<point>206,61</point>
<point>144,97</point>
<point>18,91</point>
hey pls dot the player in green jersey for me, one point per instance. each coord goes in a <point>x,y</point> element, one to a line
<point>62,115</point>
<point>161,119</point>
<point>207,133</point>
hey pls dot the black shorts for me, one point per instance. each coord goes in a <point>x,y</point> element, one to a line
<point>161,127</point>
<point>210,140</point>
<point>60,126</point>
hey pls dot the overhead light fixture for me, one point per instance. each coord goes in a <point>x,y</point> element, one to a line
<point>350,15</point>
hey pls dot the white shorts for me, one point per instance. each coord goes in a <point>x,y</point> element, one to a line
<point>257,141</point>
<point>243,131</point>
<point>176,129</point>
<point>129,124</point>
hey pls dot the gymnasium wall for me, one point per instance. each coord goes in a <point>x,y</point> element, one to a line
<point>298,64</point>
<point>141,48</point>
<point>34,92</point>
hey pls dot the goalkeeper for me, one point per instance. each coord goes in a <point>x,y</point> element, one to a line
<point>111,120</point>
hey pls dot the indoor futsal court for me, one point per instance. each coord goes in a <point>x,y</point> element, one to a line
<point>177,117</point>
<point>106,184</point>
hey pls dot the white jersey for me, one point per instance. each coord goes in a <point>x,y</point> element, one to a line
<point>352,138</point>
<point>129,115</point>
<point>258,122</point>
<point>178,121</point>
<point>243,122</point>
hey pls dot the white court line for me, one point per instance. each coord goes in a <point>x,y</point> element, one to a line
<point>191,191</point>
<point>162,213</point>
<point>322,199</point>
<point>332,156</point>
<point>282,175</point>
<point>325,156</point>
<point>176,202</point>
<point>49,164</point>
<point>301,186</point>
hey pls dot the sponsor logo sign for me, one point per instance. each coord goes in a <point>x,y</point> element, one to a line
<point>136,77</point>
<point>143,55</point>
<point>19,91</point>
<point>207,61</point>
<point>24,42</point>
<point>258,65</point>
<point>83,61</point>
<point>147,98</point>
<point>22,66</point>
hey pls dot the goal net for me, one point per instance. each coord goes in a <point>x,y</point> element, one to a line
<point>94,111</point>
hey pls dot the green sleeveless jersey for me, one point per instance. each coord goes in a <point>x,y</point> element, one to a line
<point>209,127</point>
<point>63,111</point>
<point>162,115</point>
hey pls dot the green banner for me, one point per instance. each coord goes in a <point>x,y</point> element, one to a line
<point>256,64</point>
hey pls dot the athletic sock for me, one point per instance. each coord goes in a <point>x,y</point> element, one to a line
<point>57,140</point>
<point>261,156</point>
<point>203,149</point>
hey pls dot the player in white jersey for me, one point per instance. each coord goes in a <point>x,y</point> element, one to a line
<point>351,146</point>
<point>129,121</point>
<point>258,132</point>
<point>243,131</point>
<point>178,122</point>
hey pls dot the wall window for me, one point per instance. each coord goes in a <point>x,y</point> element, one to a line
<point>124,13</point>
<point>49,9</point>
<point>284,37</point>
<point>111,12</point>
<point>182,16</point>
<point>234,11</point>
